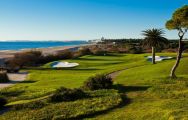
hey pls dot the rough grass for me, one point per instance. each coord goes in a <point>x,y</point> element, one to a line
<point>99,101</point>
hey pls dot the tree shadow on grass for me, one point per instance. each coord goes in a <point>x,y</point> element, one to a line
<point>12,93</point>
<point>55,69</point>
<point>110,54</point>
<point>113,63</point>
<point>90,59</point>
<point>28,81</point>
<point>90,69</point>
<point>99,59</point>
<point>4,110</point>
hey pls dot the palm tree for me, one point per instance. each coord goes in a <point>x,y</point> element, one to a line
<point>154,38</point>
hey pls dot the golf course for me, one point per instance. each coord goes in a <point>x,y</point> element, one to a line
<point>141,90</point>
<point>93,60</point>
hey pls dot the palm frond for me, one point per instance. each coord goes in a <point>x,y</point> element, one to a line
<point>154,38</point>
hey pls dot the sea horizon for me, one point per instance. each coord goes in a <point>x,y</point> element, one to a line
<point>33,44</point>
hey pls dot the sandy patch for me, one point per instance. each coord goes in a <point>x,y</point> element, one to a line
<point>14,78</point>
<point>64,65</point>
<point>159,58</point>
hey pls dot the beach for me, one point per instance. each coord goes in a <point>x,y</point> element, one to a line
<point>7,54</point>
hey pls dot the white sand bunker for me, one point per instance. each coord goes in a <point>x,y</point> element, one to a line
<point>64,65</point>
<point>159,58</point>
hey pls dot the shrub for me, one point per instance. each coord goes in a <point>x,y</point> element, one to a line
<point>98,82</point>
<point>30,58</point>
<point>3,77</point>
<point>77,54</point>
<point>134,50</point>
<point>99,52</point>
<point>85,51</point>
<point>35,58</point>
<point>170,50</point>
<point>81,52</point>
<point>65,54</point>
<point>3,102</point>
<point>65,94</point>
<point>48,58</point>
<point>13,69</point>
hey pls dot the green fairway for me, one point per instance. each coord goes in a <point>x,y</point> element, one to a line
<point>42,82</point>
<point>151,94</point>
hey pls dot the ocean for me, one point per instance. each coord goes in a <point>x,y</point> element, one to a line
<point>19,45</point>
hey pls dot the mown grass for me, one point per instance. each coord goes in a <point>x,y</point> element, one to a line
<point>42,82</point>
<point>153,96</point>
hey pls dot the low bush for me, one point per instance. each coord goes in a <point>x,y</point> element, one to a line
<point>48,58</point>
<point>35,58</point>
<point>77,54</point>
<point>65,54</point>
<point>85,51</point>
<point>3,102</point>
<point>65,94</point>
<point>99,52</point>
<point>30,58</point>
<point>170,50</point>
<point>81,52</point>
<point>3,77</point>
<point>135,50</point>
<point>98,82</point>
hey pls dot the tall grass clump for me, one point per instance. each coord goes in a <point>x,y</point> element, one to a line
<point>65,94</point>
<point>98,82</point>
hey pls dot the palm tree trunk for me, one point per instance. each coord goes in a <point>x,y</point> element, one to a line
<point>179,55</point>
<point>153,55</point>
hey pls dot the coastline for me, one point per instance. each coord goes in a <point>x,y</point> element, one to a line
<point>7,54</point>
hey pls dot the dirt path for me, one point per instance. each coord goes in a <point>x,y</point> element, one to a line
<point>116,73</point>
<point>14,78</point>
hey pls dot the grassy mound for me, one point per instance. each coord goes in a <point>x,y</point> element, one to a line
<point>99,101</point>
<point>3,77</point>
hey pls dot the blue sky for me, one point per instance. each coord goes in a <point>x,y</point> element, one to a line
<point>83,19</point>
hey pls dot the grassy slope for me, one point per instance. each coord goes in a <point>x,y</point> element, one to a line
<point>152,95</point>
<point>98,102</point>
